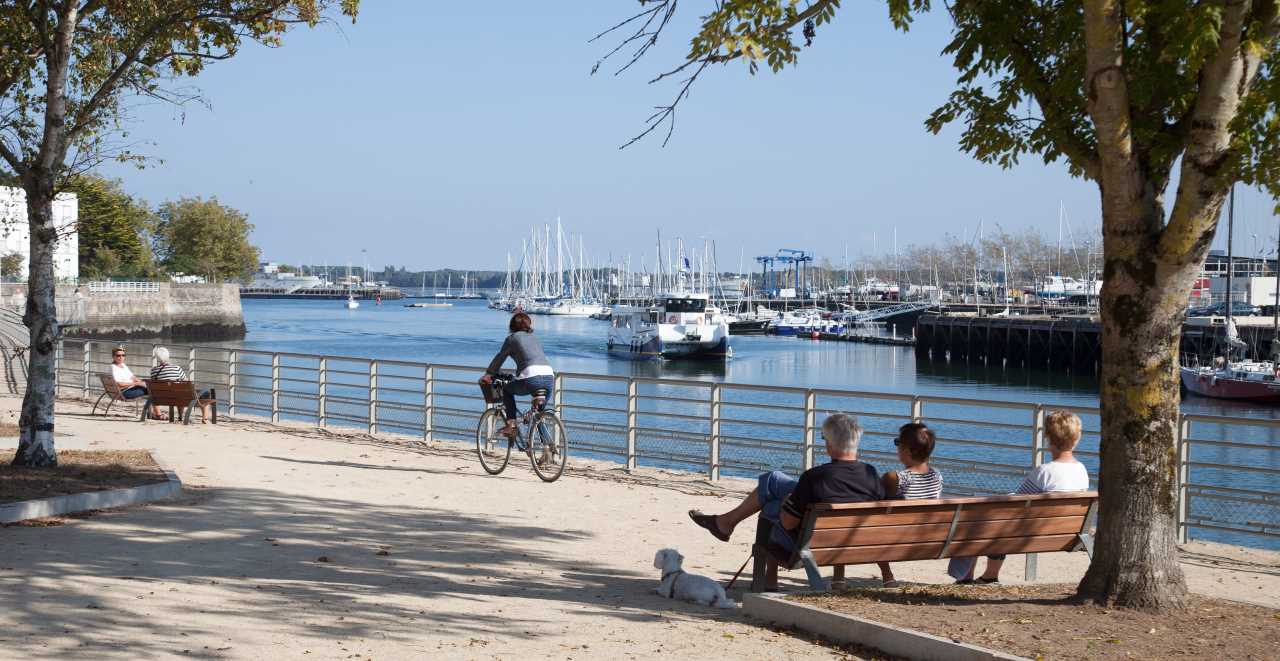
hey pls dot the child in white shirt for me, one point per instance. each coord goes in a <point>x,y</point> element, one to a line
<point>1064,473</point>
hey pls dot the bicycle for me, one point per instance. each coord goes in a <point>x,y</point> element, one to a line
<point>542,438</point>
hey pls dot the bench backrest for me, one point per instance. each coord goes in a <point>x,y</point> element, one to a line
<point>955,527</point>
<point>110,386</point>
<point>175,393</point>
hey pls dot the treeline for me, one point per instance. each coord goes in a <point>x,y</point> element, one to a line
<point>122,236</point>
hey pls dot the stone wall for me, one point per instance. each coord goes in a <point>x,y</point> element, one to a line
<point>209,312</point>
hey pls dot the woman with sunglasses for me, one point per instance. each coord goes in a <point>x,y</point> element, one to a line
<point>131,387</point>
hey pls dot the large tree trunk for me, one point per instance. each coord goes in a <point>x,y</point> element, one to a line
<point>35,442</point>
<point>1143,300</point>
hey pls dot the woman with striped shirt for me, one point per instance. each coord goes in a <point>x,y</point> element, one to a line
<point>167,371</point>
<point>916,480</point>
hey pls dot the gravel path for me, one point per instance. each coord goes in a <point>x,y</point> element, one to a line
<point>298,543</point>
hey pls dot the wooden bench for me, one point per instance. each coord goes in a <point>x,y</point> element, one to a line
<point>900,530</point>
<point>180,395</point>
<point>112,392</point>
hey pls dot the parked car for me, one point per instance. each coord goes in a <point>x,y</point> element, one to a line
<point>1238,308</point>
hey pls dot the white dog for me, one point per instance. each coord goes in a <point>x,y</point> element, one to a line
<point>677,584</point>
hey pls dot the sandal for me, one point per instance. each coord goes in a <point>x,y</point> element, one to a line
<point>982,580</point>
<point>966,581</point>
<point>892,583</point>
<point>708,521</point>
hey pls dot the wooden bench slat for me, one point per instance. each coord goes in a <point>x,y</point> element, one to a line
<point>892,515</point>
<point>1009,498</point>
<point>928,550</point>
<point>937,532</point>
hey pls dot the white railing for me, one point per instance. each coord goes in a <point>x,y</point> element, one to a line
<point>107,285</point>
<point>1228,468</point>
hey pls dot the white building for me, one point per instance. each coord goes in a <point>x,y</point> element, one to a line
<point>15,233</point>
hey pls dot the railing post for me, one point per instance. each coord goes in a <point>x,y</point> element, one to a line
<point>1037,458</point>
<point>713,460</point>
<point>373,397</point>
<point>917,409</point>
<point>275,387</point>
<point>810,426</point>
<point>632,414</point>
<point>557,396</point>
<point>1182,437</point>
<point>233,363</point>
<point>57,369</point>
<point>429,405</point>
<point>87,360</point>
<point>191,364</point>
<point>322,393</point>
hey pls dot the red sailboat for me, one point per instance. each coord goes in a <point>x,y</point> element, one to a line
<point>1244,380</point>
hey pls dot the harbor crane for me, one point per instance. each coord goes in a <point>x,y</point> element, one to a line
<point>794,262</point>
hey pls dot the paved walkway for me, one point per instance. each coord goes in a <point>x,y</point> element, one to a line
<point>298,543</point>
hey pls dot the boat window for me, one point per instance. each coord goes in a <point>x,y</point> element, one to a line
<point>686,305</point>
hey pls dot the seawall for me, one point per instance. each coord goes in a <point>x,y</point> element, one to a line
<point>207,312</point>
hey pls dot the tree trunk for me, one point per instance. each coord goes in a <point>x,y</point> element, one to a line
<point>1135,562</point>
<point>35,442</point>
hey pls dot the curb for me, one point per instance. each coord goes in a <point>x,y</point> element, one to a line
<point>838,627</point>
<point>94,500</point>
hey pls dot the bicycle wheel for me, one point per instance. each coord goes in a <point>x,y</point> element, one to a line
<point>493,448</point>
<point>548,447</point>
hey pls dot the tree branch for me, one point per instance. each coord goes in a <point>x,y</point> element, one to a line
<point>1036,80</point>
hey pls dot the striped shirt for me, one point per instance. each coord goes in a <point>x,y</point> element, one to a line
<point>919,486</point>
<point>168,372</point>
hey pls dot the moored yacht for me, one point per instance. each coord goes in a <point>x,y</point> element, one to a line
<point>679,326</point>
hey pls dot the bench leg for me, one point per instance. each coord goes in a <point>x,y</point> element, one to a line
<point>1029,572</point>
<point>816,583</point>
<point>837,578</point>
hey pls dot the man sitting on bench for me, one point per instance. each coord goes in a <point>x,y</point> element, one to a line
<point>167,371</point>
<point>783,499</point>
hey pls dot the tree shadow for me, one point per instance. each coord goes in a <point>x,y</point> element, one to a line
<point>317,568</point>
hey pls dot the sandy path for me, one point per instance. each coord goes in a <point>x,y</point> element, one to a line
<point>474,566</point>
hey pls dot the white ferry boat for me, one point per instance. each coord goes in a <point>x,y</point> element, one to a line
<point>680,326</point>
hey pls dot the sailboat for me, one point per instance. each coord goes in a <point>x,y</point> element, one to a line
<point>1246,380</point>
<point>352,303</point>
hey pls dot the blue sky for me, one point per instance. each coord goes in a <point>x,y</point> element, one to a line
<point>436,135</point>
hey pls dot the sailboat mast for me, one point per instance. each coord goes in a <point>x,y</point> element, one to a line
<point>1275,307</point>
<point>1231,217</point>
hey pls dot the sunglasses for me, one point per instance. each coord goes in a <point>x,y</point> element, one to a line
<point>117,355</point>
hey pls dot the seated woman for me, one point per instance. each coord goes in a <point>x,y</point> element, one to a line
<point>167,371</point>
<point>1064,473</point>
<point>916,480</point>
<point>131,387</point>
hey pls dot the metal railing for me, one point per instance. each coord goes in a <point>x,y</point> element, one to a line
<point>108,285</point>
<point>1228,468</point>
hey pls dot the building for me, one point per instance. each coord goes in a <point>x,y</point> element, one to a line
<point>15,234</point>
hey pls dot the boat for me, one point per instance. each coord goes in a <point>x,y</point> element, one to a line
<point>429,305</point>
<point>679,326</point>
<point>352,303</point>
<point>1244,380</point>
<point>1056,286</point>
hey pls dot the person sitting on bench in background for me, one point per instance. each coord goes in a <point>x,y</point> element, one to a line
<point>916,480</point>
<point>131,387</point>
<point>1064,473</point>
<point>167,371</point>
<point>783,499</point>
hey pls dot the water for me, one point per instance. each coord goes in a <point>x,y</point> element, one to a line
<point>469,334</point>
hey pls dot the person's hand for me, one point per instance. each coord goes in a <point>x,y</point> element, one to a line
<point>486,379</point>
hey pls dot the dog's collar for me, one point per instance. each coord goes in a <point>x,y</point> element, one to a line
<point>675,573</point>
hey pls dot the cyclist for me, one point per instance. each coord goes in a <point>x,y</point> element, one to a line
<point>533,372</point>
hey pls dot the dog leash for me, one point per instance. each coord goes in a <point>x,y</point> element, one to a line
<point>735,576</point>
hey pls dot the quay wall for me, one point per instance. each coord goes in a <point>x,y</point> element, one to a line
<point>1072,342</point>
<point>208,312</point>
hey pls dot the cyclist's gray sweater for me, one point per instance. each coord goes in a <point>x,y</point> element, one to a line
<point>524,348</point>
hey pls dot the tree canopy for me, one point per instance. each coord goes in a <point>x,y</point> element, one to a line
<point>202,237</point>
<point>112,228</point>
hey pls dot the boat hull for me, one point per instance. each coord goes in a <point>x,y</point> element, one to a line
<point>1208,384</point>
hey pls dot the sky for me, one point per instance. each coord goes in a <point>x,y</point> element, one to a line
<point>436,135</point>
